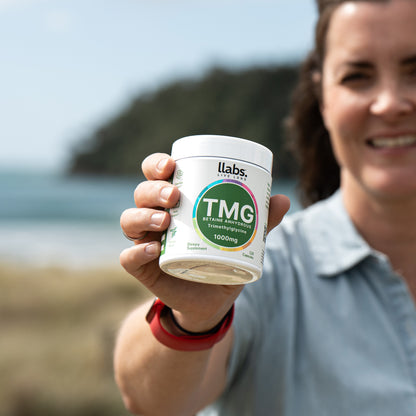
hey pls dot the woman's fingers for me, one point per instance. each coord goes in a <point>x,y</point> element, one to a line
<point>158,166</point>
<point>141,261</point>
<point>279,206</point>
<point>156,194</point>
<point>136,223</point>
<point>145,223</point>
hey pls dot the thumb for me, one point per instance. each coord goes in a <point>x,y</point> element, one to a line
<point>279,205</point>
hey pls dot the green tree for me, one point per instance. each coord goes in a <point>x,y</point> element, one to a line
<point>248,103</point>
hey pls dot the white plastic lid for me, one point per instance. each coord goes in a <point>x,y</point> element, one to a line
<point>223,146</point>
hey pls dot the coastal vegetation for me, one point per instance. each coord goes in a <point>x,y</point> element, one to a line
<point>250,103</point>
<point>58,331</point>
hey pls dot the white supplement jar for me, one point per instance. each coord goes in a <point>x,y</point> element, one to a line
<point>218,228</point>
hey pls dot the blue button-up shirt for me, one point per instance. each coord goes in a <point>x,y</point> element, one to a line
<point>329,330</point>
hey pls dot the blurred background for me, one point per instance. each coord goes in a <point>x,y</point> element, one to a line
<point>88,89</point>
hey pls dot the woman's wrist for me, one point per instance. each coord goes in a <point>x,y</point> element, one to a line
<point>167,331</point>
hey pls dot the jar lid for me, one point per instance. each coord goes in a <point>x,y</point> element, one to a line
<point>223,146</point>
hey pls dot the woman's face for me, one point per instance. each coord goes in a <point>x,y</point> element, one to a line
<point>369,96</point>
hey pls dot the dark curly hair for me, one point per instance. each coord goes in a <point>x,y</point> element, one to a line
<point>319,173</point>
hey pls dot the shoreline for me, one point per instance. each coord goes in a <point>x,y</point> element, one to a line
<point>61,244</point>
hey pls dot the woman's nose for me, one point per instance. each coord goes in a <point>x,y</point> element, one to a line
<point>392,102</point>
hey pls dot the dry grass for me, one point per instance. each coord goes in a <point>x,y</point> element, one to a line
<point>57,335</point>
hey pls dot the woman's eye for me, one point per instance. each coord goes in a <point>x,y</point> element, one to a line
<point>354,77</point>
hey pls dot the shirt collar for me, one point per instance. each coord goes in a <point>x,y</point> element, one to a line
<point>335,244</point>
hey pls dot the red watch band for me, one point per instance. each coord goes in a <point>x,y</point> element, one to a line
<point>197,342</point>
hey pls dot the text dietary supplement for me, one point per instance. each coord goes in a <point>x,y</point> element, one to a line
<point>219,226</point>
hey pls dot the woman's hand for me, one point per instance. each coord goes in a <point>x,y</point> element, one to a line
<point>197,307</point>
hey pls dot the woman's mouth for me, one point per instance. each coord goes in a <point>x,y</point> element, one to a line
<point>392,142</point>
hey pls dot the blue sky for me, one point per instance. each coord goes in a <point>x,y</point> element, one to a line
<point>67,65</point>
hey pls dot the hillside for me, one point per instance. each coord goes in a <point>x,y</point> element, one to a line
<point>249,103</point>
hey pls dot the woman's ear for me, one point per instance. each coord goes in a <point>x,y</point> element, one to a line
<point>317,78</point>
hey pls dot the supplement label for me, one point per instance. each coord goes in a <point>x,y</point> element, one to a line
<point>225,215</point>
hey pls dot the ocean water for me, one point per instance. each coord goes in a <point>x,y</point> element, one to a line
<point>49,219</point>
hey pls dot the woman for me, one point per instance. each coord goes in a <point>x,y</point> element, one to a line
<point>330,328</point>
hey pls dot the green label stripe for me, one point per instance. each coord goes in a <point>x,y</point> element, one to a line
<point>225,215</point>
